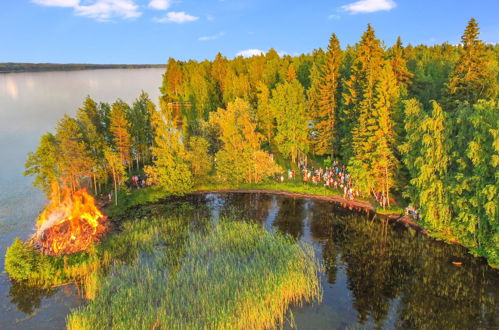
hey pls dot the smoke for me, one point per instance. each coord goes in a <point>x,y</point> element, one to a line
<point>53,219</point>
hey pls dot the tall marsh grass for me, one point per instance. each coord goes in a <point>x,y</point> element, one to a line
<point>230,275</point>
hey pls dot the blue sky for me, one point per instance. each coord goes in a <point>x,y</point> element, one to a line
<point>150,31</point>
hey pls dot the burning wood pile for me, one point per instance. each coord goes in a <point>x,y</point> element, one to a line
<point>69,224</point>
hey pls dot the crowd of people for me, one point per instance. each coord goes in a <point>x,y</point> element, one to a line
<point>138,181</point>
<point>335,176</point>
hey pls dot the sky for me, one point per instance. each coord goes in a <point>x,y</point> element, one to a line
<point>151,31</point>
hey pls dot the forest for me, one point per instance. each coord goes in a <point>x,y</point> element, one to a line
<point>417,124</point>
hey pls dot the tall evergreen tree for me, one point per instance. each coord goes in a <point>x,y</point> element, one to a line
<point>75,161</point>
<point>399,66</point>
<point>359,95</point>
<point>475,194</point>
<point>412,147</point>
<point>120,129</point>
<point>91,127</point>
<point>475,75</point>
<point>325,119</point>
<point>385,162</point>
<point>433,179</point>
<point>141,130</point>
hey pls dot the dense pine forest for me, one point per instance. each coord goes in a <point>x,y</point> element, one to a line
<point>416,124</point>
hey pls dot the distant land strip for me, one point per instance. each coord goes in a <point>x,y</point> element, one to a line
<point>37,67</point>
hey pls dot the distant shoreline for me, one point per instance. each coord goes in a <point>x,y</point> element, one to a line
<point>10,67</point>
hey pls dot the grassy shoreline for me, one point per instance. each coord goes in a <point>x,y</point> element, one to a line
<point>222,277</point>
<point>298,189</point>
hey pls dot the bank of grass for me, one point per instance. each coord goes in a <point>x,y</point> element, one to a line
<point>233,275</point>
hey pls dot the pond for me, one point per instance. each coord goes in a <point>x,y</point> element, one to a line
<point>375,274</point>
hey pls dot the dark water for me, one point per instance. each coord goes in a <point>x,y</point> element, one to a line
<point>376,275</point>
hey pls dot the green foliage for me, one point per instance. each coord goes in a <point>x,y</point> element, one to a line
<point>375,109</point>
<point>475,74</point>
<point>198,158</point>
<point>20,260</point>
<point>433,179</point>
<point>241,158</point>
<point>43,163</point>
<point>326,114</point>
<point>171,171</point>
<point>289,106</point>
<point>141,129</point>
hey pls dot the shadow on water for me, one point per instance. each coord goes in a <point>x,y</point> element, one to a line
<point>376,274</point>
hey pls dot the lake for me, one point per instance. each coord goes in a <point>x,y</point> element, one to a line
<point>30,105</point>
<point>375,274</point>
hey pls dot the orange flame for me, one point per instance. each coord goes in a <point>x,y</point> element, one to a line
<point>70,223</point>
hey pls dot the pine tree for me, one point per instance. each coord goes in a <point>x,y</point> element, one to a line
<point>271,70</point>
<point>385,162</point>
<point>171,171</point>
<point>120,129</point>
<point>412,147</point>
<point>141,130</point>
<point>75,161</point>
<point>91,127</point>
<point>172,89</point>
<point>264,114</point>
<point>399,66</point>
<point>313,97</point>
<point>325,119</point>
<point>374,164</point>
<point>289,106</point>
<point>359,95</point>
<point>475,194</point>
<point>433,179</point>
<point>475,75</point>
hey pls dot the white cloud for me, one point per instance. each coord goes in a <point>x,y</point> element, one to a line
<point>213,37</point>
<point>250,53</point>
<point>334,16</point>
<point>103,10</point>
<point>369,6</point>
<point>57,3</point>
<point>159,4</point>
<point>176,17</point>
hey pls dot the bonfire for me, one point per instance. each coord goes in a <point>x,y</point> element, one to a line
<point>70,223</point>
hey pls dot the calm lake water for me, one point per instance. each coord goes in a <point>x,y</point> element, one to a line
<point>30,105</point>
<point>375,275</point>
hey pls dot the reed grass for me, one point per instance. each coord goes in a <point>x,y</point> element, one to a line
<point>231,275</point>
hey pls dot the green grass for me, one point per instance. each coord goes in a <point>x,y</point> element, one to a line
<point>233,275</point>
<point>394,209</point>
<point>295,186</point>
